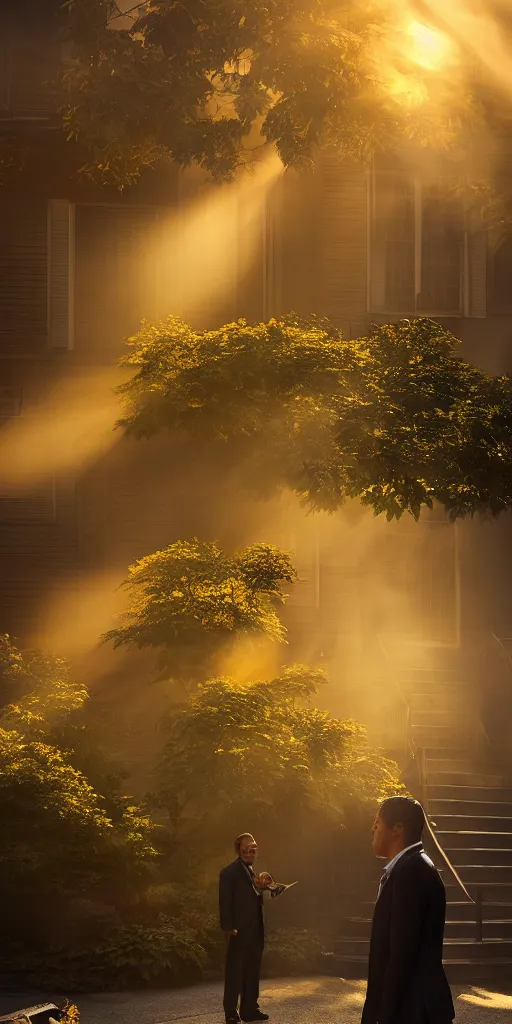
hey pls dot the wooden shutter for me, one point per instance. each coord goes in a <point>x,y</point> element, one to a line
<point>23,280</point>
<point>343,254</point>
<point>61,273</point>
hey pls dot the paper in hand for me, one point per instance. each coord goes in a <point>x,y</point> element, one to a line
<point>277,889</point>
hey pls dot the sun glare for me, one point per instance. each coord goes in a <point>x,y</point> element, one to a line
<point>430,49</point>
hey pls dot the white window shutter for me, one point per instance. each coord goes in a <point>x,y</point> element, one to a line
<point>477,269</point>
<point>61,274</point>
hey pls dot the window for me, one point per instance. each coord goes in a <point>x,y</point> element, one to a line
<point>424,261</point>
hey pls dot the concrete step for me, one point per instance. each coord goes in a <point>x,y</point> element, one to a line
<point>456,948</point>
<point>461,948</point>
<point>428,682</point>
<point>498,928</point>
<point>485,874</point>
<point>452,764</point>
<point>479,794</point>
<point>459,970</point>
<point>492,891</point>
<point>465,780</point>
<point>457,753</point>
<point>450,702</point>
<point>492,808</point>
<point>475,840</point>
<point>477,855</point>
<point>472,823</point>
<point>493,970</point>
<point>495,928</point>
<point>439,714</point>
<point>457,909</point>
<point>496,911</point>
<point>441,735</point>
<point>413,660</point>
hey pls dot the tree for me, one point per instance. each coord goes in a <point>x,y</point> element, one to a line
<point>206,81</point>
<point>395,419</point>
<point>192,598</point>
<point>61,848</point>
<point>86,901</point>
<point>259,756</point>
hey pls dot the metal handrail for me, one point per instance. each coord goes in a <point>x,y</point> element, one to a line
<point>418,754</point>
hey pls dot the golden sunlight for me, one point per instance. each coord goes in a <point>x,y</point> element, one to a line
<point>430,49</point>
<point>478,30</point>
<point>489,1000</point>
<point>67,431</point>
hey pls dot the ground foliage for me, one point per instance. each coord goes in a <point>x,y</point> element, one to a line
<point>77,867</point>
<point>395,419</point>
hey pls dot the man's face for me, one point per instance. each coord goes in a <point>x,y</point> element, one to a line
<point>384,838</point>
<point>248,851</point>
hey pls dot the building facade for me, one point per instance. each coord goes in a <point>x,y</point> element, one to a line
<point>80,267</point>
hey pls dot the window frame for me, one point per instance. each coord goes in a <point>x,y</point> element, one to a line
<point>464,275</point>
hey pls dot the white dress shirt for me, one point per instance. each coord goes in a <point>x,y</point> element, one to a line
<point>389,867</point>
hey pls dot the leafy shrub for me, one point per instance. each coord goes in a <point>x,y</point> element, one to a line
<point>394,418</point>
<point>59,841</point>
<point>258,756</point>
<point>292,951</point>
<point>87,903</point>
<point>192,597</point>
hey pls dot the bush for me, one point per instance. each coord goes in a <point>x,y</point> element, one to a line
<point>394,419</point>
<point>94,895</point>
<point>59,841</point>
<point>292,951</point>
<point>191,598</point>
<point>258,757</point>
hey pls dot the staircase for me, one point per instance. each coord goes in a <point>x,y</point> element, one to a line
<point>470,805</point>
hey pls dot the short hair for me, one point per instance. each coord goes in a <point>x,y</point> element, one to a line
<point>405,811</point>
<point>239,839</point>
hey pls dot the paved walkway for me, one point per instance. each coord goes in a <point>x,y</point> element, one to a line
<point>290,1001</point>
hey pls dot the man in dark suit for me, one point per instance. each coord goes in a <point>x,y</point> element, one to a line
<point>241,917</point>
<point>406,979</point>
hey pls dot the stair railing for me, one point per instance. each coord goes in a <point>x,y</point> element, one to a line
<point>419,761</point>
<point>479,909</point>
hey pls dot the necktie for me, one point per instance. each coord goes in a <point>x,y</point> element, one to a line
<point>382,882</point>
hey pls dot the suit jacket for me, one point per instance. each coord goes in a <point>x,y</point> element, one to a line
<point>241,907</point>
<point>406,979</point>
